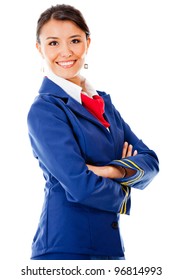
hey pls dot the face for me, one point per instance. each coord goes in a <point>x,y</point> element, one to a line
<point>64,46</point>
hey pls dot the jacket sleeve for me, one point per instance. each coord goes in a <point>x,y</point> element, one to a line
<point>56,148</point>
<point>145,163</point>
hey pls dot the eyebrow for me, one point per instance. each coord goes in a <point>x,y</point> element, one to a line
<point>48,38</point>
<point>56,38</point>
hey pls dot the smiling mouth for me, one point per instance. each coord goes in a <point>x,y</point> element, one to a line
<point>66,64</point>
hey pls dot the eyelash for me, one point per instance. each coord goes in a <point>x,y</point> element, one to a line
<point>55,43</point>
<point>75,41</point>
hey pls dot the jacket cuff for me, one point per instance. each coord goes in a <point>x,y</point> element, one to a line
<point>126,163</point>
<point>126,204</point>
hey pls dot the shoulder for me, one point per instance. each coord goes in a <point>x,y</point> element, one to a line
<point>44,108</point>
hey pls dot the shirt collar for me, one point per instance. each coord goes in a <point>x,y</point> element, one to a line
<point>70,88</point>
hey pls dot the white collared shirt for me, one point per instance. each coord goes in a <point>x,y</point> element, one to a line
<point>70,88</point>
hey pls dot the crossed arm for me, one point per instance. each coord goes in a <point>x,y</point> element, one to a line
<point>113,172</point>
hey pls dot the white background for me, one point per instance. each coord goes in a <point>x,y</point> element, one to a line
<point>136,56</point>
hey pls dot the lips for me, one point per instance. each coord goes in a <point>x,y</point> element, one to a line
<point>66,64</point>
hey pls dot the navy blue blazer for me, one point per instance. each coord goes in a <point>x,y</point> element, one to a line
<point>81,210</point>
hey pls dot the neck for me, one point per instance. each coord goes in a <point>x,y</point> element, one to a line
<point>78,80</point>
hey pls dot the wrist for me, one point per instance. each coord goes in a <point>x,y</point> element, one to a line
<point>124,172</point>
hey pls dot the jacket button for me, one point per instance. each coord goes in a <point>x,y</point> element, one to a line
<point>115,225</point>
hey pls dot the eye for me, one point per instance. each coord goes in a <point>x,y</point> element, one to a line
<point>53,43</point>
<point>75,41</point>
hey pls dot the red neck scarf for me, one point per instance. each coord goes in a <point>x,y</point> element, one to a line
<point>95,106</point>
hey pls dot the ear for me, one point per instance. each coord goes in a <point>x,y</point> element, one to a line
<point>38,46</point>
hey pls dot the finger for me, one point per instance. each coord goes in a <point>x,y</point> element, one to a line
<point>135,153</point>
<point>129,151</point>
<point>125,149</point>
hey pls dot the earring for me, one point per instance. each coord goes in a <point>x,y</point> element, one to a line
<point>42,69</point>
<point>85,66</point>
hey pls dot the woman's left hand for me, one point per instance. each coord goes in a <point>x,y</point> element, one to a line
<point>128,150</point>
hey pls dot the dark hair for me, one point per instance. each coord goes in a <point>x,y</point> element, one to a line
<point>62,12</point>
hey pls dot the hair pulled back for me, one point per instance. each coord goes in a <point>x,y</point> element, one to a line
<point>62,12</point>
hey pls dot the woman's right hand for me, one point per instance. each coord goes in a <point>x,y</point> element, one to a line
<point>113,172</point>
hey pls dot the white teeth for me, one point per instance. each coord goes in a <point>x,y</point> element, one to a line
<point>66,63</point>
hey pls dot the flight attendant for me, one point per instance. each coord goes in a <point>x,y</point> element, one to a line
<point>89,156</point>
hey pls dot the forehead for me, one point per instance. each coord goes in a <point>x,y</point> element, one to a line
<point>60,28</point>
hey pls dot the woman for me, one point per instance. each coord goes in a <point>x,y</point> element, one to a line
<point>89,156</point>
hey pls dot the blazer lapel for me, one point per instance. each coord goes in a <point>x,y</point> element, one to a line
<point>50,88</point>
<point>79,109</point>
<point>109,113</point>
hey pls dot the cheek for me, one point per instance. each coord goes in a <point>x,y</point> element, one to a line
<point>81,52</point>
<point>49,54</point>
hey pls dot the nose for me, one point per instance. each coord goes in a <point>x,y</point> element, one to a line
<point>65,51</point>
